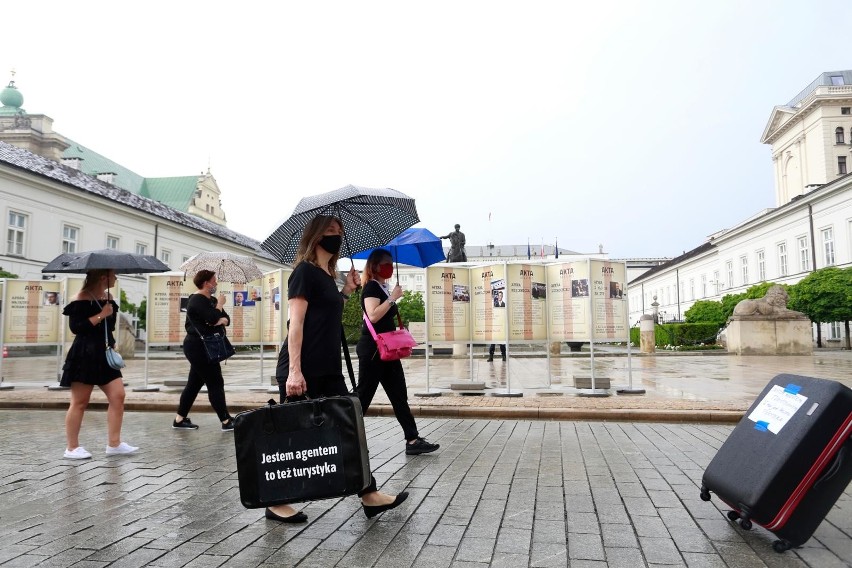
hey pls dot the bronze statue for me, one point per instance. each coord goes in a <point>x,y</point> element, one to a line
<point>457,243</point>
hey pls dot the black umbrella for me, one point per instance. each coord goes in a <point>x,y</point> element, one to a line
<point>106,259</point>
<point>371,218</point>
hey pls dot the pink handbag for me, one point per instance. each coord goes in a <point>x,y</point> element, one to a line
<point>393,345</point>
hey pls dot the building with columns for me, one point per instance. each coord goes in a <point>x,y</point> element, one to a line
<point>809,228</point>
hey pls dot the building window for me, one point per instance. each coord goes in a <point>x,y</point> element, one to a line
<point>69,238</point>
<point>838,135</point>
<point>703,285</point>
<point>845,110</point>
<point>837,80</point>
<point>729,268</point>
<point>185,258</point>
<point>692,288</point>
<point>804,254</point>
<point>166,256</point>
<point>782,259</point>
<point>716,282</point>
<point>834,330</point>
<point>841,165</point>
<point>112,242</point>
<point>418,278</point>
<point>744,269</point>
<point>15,233</point>
<point>141,248</point>
<point>828,246</point>
<point>761,266</point>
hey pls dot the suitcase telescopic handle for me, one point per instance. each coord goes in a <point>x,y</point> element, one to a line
<point>836,465</point>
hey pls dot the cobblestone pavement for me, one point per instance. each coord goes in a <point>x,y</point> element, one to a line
<point>501,493</point>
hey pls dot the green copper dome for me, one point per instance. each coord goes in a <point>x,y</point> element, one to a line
<point>12,99</point>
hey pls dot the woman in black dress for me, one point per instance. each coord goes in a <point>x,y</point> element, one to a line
<point>205,315</point>
<point>378,301</point>
<point>92,310</point>
<point>309,361</point>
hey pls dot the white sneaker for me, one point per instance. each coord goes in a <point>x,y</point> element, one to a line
<point>122,448</point>
<point>78,453</point>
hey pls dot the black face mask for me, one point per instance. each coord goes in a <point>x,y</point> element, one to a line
<point>331,243</point>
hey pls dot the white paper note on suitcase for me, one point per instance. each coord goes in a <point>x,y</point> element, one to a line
<point>777,408</point>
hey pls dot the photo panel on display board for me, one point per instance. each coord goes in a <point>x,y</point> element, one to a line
<point>448,302</point>
<point>274,305</point>
<point>527,297</point>
<point>609,303</point>
<point>488,303</point>
<point>245,313</point>
<point>27,318</point>
<point>168,295</point>
<point>568,301</point>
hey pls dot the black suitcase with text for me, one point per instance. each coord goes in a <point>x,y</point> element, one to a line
<point>788,460</point>
<point>301,451</point>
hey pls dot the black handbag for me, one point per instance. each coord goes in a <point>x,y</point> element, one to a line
<point>301,451</point>
<point>217,346</point>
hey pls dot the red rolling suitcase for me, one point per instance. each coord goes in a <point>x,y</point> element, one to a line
<point>788,460</point>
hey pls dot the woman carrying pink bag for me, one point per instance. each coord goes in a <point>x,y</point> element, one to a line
<point>379,305</point>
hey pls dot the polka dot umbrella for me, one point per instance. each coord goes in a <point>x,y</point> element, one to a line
<point>371,217</point>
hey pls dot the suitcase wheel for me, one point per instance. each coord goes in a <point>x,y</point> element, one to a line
<point>745,524</point>
<point>781,546</point>
<point>733,515</point>
<point>705,494</point>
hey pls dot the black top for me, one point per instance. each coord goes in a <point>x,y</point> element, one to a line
<point>86,359</point>
<point>388,322</point>
<point>201,312</point>
<point>321,346</point>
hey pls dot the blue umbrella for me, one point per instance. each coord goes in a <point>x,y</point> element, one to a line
<point>414,247</point>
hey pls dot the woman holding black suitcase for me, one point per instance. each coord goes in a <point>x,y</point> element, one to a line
<point>309,361</point>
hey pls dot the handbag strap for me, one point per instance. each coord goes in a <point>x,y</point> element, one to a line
<point>106,333</point>
<point>348,358</point>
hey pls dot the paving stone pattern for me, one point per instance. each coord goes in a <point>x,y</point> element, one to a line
<point>500,493</point>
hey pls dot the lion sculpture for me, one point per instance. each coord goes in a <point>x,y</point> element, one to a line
<point>773,304</point>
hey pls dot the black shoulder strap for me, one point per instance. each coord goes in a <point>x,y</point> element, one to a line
<point>348,358</point>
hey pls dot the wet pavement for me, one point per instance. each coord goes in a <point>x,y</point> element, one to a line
<point>709,387</point>
<point>502,491</point>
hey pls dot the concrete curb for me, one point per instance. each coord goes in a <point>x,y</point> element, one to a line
<point>707,416</point>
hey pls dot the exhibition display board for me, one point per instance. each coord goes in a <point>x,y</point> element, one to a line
<point>583,301</point>
<point>32,310</point>
<point>448,304</point>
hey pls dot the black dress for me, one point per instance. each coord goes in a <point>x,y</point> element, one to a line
<point>86,360</point>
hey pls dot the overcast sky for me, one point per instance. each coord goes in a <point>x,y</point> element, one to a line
<point>634,125</point>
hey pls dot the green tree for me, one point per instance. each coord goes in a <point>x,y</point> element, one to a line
<point>125,306</point>
<point>352,319</point>
<point>705,311</point>
<point>4,274</point>
<point>411,307</point>
<point>142,314</point>
<point>824,295</point>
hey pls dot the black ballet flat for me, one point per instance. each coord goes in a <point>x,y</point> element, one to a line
<point>299,517</point>
<point>373,510</point>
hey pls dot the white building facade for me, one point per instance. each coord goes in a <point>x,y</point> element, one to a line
<point>810,227</point>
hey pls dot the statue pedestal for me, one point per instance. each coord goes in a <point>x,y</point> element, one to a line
<point>767,335</point>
